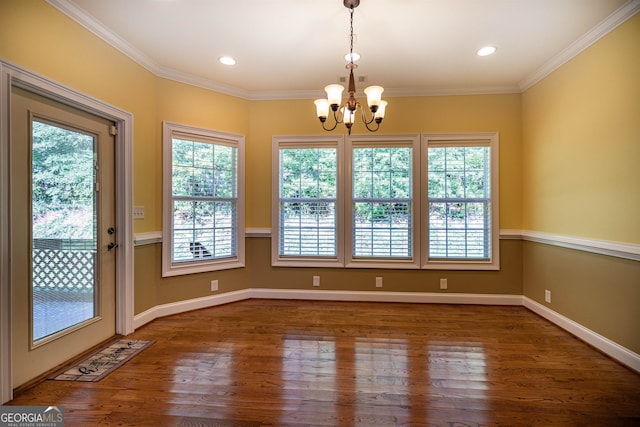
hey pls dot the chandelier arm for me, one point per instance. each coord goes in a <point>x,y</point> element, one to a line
<point>372,129</point>
<point>336,120</point>
<point>368,122</point>
<point>364,118</point>
<point>335,125</point>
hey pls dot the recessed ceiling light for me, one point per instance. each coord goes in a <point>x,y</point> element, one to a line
<point>227,60</point>
<point>355,56</point>
<point>486,51</point>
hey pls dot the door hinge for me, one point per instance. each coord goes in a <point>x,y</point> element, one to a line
<point>113,130</point>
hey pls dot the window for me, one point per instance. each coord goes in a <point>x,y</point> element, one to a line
<point>411,201</point>
<point>382,229</point>
<point>203,204</point>
<point>306,188</point>
<point>461,201</point>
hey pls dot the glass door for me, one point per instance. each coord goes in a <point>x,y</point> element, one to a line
<point>62,233</point>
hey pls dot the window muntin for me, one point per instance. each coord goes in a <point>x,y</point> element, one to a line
<point>204,210</point>
<point>308,182</point>
<point>459,194</point>
<point>382,219</point>
<point>382,200</point>
<point>307,207</point>
<point>204,193</point>
<point>460,216</point>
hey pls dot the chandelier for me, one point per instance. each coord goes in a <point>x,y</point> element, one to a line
<point>346,113</point>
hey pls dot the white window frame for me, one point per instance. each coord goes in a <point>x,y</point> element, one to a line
<point>292,142</point>
<point>490,139</point>
<point>169,268</point>
<point>377,141</point>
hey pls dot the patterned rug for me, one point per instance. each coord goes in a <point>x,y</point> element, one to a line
<point>103,362</point>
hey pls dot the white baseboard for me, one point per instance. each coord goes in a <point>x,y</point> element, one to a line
<point>373,296</point>
<point>188,305</point>
<point>364,296</point>
<point>605,345</point>
<point>610,348</point>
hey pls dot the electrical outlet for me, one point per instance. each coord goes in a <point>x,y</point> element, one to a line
<point>547,296</point>
<point>378,282</point>
<point>138,212</point>
<point>214,285</point>
<point>443,284</point>
<point>316,280</point>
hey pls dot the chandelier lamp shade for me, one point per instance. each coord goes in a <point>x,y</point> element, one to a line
<point>346,113</point>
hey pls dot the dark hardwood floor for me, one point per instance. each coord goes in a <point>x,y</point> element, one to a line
<point>295,363</point>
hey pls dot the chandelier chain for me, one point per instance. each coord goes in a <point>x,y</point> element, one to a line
<point>351,35</point>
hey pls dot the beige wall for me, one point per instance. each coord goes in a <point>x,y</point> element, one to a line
<point>473,113</point>
<point>581,149</point>
<point>599,292</point>
<point>505,281</point>
<point>581,177</point>
<point>36,36</point>
<point>568,147</point>
<point>480,113</point>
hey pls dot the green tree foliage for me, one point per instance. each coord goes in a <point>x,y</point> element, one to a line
<point>459,209</point>
<point>62,182</point>
<point>204,188</point>
<point>382,174</point>
<point>308,192</point>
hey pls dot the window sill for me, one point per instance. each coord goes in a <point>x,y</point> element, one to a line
<point>201,267</point>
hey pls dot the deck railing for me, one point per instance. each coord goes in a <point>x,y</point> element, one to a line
<point>66,265</point>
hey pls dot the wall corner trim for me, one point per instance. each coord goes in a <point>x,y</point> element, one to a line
<point>605,345</point>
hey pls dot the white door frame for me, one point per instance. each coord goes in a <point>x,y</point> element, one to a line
<point>13,75</point>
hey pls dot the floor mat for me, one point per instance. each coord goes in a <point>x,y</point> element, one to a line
<point>103,362</point>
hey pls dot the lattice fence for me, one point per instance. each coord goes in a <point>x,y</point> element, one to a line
<point>63,270</point>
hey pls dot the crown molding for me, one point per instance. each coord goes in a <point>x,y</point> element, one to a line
<point>610,23</point>
<point>202,82</point>
<point>486,90</point>
<point>390,92</point>
<point>95,27</point>
<point>607,25</point>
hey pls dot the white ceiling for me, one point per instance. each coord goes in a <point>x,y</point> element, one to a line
<point>292,49</point>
